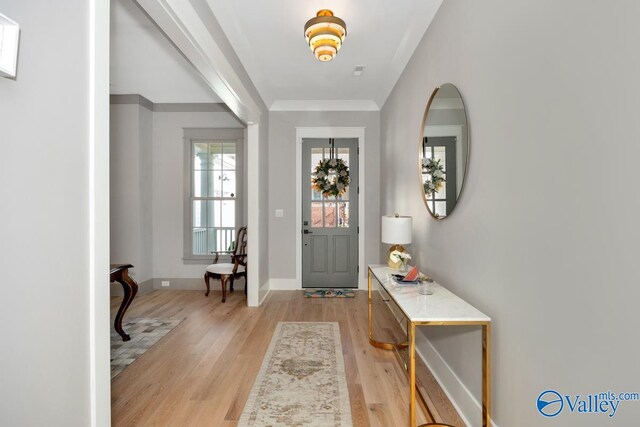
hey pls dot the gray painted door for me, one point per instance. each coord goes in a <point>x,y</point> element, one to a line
<point>444,149</point>
<point>329,224</point>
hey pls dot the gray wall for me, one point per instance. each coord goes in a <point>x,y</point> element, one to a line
<point>282,182</point>
<point>44,219</point>
<point>147,187</point>
<point>131,208</point>
<point>545,236</point>
<point>168,188</point>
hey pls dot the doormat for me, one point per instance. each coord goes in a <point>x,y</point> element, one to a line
<point>302,381</point>
<point>329,293</point>
<point>145,332</point>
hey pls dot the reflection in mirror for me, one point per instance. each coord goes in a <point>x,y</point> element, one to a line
<point>444,150</point>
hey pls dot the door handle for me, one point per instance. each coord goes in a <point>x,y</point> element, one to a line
<point>307,232</point>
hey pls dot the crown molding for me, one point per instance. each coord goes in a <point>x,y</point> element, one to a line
<point>324,105</point>
<point>191,108</point>
<point>188,107</point>
<point>131,99</point>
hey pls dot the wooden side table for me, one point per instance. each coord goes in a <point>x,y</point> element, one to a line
<point>120,273</point>
<point>443,308</point>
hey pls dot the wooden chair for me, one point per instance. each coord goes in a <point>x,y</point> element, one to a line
<point>230,271</point>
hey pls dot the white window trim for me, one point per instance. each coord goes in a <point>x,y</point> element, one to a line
<point>209,134</point>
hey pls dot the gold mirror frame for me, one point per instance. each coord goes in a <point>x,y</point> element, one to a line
<point>425,117</point>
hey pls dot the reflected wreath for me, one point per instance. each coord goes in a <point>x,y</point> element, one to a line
<point>435,170</point>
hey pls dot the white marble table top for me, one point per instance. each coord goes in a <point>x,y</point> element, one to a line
<point>441,306</point>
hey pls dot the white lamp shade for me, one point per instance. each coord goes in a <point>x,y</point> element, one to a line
<point>396,230</point>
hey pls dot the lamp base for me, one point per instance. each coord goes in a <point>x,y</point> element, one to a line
<point>390,263</point>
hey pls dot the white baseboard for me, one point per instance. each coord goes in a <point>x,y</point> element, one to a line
<point>143,288</point>
<point>284,285</point>
<point>263,292</point>
<point>186,284</point>
<point>266,293</point>
<point>468,407</point>
<point>177,284</point>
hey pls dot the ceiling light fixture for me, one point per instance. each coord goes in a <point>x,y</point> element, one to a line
<point>325,34</point>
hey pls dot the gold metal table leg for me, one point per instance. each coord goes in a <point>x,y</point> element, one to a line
<point>486,375</point>
<point>412,372</point>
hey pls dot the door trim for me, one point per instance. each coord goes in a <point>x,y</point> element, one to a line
<point>331,132</point>
<point>449,130</point>
<point>98,316</point>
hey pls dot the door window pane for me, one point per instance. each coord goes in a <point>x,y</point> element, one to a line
<point>441,209</point>
<point>343,153</point>
<point>442,193</point>
<point>345,195</point>
<point>316,156</point>
<point>316,214</point>
<point>439,153</point>
<point>330,215</point>
<point>343,214</point>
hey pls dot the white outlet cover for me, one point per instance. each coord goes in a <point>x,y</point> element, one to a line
<point>166,283</point>
<point>279,213</point>
<point>9,37</point>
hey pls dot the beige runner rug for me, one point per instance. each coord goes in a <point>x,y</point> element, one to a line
<point>302,380</point>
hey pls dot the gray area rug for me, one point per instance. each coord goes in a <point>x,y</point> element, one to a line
<point>302,380</point>
<point>144,333</point>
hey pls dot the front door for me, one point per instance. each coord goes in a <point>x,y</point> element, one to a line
<point>329,222</point>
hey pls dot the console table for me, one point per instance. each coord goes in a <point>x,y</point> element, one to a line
<point>439,309</point>
<point>120,273</point>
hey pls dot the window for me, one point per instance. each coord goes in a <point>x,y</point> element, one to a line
<point>213,204</point>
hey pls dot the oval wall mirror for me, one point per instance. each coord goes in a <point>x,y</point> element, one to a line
<point>444,150</point>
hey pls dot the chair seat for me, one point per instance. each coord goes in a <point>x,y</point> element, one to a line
<point>224,268</point>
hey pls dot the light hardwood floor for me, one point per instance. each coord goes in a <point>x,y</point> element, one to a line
<point>202,372</point>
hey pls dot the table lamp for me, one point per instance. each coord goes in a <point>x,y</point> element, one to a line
<point>396,231</point>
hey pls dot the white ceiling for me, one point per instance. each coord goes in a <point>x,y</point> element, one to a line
<point>268,38</point>
<point>144,62</point>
